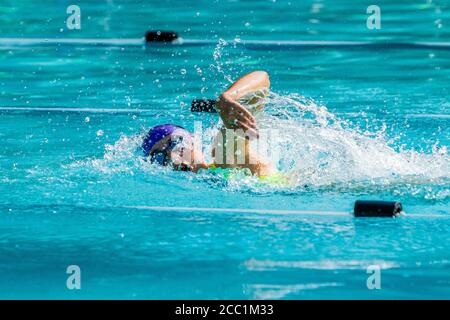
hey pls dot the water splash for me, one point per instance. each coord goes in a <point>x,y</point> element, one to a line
<point>321,151</point>
<point>123,157</point>
<point>226,65</point>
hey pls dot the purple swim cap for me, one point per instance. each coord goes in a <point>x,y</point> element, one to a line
<point>156,134</point>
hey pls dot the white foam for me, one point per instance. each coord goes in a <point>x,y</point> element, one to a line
<point>324,152</point>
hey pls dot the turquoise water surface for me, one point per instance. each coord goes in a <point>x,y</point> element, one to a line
<point>371,123</point>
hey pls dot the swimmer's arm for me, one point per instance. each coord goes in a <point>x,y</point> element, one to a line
<point>249,83</point>
<point>235,115</point>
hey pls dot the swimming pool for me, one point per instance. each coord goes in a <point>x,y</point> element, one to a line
<point>74,191</point>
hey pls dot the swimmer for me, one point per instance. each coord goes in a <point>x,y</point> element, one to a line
<point>172,145</point>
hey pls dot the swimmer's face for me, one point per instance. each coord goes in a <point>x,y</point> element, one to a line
<point>179,152</point>
<point>181,155</point>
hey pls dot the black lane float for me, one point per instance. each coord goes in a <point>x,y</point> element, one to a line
<point>160,36</point>
<point>375,208</point>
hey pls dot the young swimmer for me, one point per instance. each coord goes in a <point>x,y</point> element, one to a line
<point>173,145</point>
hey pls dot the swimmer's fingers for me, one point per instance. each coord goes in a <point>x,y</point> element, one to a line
<point>251,132</point>
<point>233,120</point>
<point>244,113</point>
<point>232,111</point>
<point>243,116</point>
<point>250,121</point>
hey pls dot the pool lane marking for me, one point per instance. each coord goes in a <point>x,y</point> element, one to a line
<point>140,42</point>
<point>239,210</point>
<point>430,115</point>
<point>268,211</point>
<point>70,41</point>
<point>92,110</point>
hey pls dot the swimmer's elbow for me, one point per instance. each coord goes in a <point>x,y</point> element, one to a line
<point>260,78</point>
<point>263,75</point>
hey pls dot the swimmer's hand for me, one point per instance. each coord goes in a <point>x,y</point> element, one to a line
<point>236,116</point>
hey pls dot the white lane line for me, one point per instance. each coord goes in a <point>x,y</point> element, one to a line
<point>239,210</point>
<point>4,42</point>
<point>93,110</point>
<point>407,115</point>
<point>429,115</point>
<point>71,41</point>
<point>433,44</point>
<point>299,43</point>
<point>269,211</point>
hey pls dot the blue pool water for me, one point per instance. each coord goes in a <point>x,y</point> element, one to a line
<point>372,124</point>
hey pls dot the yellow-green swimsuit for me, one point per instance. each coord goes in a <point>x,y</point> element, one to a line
<point>277,179</point>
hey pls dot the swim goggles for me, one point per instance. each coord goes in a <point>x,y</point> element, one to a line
<point>163,156</point>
